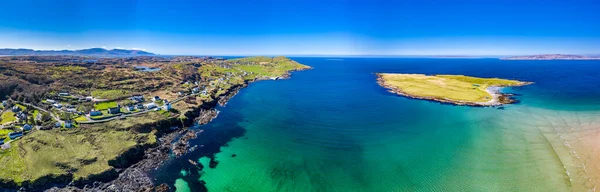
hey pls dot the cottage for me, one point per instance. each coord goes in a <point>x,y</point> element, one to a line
<point>50,101</point>
<point>14,135</point>
<point>57,124</point>
<point>57,105</point>
<point>89,98</point>
<point>95,113</point>
<point>167,106</point>
<point>137,98</point>
<point>4,103</point>
<point>114,110</point>
<point>16,109</point>
<point>156,98</point>
<point>63,94</point>
<point>27,127</point>
<point>195,90</point>
<point>131,108</point>
<point>22,116</point>
<point>180,93</point>
<point>68,124</point>
<point>139,106</point>
<point>150,105</point>
<point>204,92</point>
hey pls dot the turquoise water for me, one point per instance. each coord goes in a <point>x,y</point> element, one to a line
<point>334,129</point>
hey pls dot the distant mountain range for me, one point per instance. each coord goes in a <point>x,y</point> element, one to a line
<point>82,52</point>
<point>553,57</point>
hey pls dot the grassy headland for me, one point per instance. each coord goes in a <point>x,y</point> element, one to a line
<point>456,89</point>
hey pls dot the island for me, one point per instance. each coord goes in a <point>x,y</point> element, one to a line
<point>454,89</point>
<point>73,121</point>
<point>552,57</point>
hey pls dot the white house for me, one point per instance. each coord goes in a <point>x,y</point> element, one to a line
<point>57,105</point>
<point>50,101</point>
<point>89,98</point>
<point>16,109</point>
<point>167,106</point>
<point>150,105</point>
<point>137,98</point>
<point>156,98</point>
<point>63,94</point>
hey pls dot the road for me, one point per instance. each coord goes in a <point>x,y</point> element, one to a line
<point>90,121</point>
<point>44,110</point>
<point>113,118</point>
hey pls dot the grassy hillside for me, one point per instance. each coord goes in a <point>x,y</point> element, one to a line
<point>81,152</point>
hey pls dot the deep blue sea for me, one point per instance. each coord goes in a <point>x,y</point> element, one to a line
<point>333,128</point>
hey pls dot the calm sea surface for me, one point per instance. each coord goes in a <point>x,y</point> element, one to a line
<point>334,129</point>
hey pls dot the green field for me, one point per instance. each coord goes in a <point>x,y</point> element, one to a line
<point>4,134</point>
<point>8,116</point>
<point>80,119</point>
<point>62,69</point>
<point>105,105</point>
<point>446,87</point>
<point>266,66</point>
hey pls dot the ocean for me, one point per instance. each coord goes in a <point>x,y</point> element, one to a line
<point>334,129</point>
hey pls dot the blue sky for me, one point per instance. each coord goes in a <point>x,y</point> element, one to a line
<point>306,27</point>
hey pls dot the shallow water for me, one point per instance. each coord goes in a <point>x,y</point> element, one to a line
<point>334,129</point>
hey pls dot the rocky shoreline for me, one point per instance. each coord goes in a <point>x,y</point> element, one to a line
<point>498,98</point>
<point>136,177</point>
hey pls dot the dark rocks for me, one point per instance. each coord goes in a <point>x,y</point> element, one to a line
<point>181,146</point>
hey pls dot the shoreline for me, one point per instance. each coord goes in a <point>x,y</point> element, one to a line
<point>137,176</point>
<point>498,98</point>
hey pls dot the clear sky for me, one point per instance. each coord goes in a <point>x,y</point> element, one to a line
<point>306,27</point>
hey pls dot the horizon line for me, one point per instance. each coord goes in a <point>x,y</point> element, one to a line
<point>321,55</point>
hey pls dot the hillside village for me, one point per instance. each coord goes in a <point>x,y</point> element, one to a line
<point>50,98</point>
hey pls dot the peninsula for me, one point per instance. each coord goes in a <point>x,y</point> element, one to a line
<point>455,89</point>
<point>70,121</point>
<point>552,57</point>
